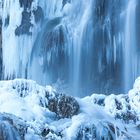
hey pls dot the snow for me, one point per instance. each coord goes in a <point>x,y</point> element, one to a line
<point>97,115</point>
<point>29,107</point>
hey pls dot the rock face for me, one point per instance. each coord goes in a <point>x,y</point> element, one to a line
<point>38,13</point>
<point>26,24</point>
<point>25,3</point>
<point>64,106</point>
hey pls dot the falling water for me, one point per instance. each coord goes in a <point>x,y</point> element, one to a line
<point>85,46</point>
<point>132,59</point>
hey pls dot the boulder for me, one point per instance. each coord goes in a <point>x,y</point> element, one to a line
<point>64,106</point>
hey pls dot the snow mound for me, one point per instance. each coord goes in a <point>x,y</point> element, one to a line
<point>123,106</point>
<point>34,112</point>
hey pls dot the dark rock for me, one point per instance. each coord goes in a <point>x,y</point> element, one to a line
<point>38,13</point>
<point>127,117</point>
<point>25,3</point>
<point>7,21</point>
<point>64,106</point>
<point>65,2</point>
<point>45,132</point>
<point>25,17</point>
<point>99,101</point>
<point>118,105</point>
<point>24,27</point>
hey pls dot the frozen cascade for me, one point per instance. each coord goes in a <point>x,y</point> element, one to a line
<point>132,63</point>
<point>83,45</point>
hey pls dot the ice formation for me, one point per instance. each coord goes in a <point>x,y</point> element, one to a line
<point>90,46</point>
<point>24,108</point>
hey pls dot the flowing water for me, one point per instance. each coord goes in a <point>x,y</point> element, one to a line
<point>84,46</point>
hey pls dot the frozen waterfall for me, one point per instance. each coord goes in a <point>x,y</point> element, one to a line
<point>85,45</point>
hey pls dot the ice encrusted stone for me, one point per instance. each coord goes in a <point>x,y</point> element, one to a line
<point>63,105</point>
<point>11,127</point>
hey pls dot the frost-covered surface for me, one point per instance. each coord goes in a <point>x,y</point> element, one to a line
<point>24,111</point>
<point>123,106</point>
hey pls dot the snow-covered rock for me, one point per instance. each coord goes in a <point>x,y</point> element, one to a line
<point>123,106</point>
<point>11,127</point>
<point>30,111</point>
<point>64,106</point>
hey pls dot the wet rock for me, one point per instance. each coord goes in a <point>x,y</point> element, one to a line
<point>7,21</point>
<point>38,14</point>
<point>24,27</point>
<point>25,17</point>
<point>25,3</point>
<point>64,106</point>
<point>65,2</point>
